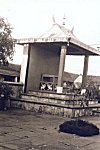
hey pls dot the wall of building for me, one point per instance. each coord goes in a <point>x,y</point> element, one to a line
<point>42,61</point>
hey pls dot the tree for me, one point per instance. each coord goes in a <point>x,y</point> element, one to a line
<point>6,42</point>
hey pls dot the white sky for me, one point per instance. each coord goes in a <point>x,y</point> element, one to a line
<point>34,17</point>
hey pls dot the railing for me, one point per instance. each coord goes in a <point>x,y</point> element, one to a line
<point>48,86</point>
<point>51,86</point>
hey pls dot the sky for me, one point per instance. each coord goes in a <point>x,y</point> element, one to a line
<point>30,18</point>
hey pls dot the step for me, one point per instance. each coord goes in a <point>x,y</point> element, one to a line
<point>57,104</point>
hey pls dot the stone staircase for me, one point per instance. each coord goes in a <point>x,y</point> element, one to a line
<point>70,105</point>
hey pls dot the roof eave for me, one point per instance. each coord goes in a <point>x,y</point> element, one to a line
<point>85,46</point>
<point>58,39</point>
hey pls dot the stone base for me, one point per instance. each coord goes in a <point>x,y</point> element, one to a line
<point>54,110</point>
<point>56,104</point>
<point>59,89</point>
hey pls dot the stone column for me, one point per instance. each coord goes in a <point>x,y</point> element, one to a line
<point>61,69</point>
<point>85,71</point>
<point>24,64</point>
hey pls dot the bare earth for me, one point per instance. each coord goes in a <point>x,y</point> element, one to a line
<point>24,130</point>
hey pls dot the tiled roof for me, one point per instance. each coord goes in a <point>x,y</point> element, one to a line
<point>90,78</point>
<point>58,31</point>
<point>11,69</point>
<point>70,76</point>
<point>94,79</point>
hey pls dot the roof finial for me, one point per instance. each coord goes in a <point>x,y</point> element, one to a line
<point>72,29</point>
<point>64,20</point>
<point>53,18</point>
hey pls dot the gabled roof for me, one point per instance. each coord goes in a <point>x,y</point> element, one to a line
<point>59,34</point>
<point>71,77</point>
<point>58,31</point>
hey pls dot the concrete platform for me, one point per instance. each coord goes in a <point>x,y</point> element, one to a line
<point>26,130</point>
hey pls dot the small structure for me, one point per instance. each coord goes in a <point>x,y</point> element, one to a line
<point>10,73</point>
<point>44,58</point>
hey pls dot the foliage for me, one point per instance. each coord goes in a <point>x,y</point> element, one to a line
<point>6,42</point>
<point>92,91</point>
<point>79,127</point>
<point>5,91</point>
<point>5,94</point>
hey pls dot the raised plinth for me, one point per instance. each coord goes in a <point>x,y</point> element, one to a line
<point>70,105</point>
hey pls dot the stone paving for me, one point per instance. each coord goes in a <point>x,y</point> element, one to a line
<point>24,130</point>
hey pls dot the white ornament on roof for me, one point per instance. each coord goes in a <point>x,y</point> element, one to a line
<point>64,18</point>
<point>53,18</point>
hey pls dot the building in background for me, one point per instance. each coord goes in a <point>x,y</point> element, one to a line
<point>10,73</point>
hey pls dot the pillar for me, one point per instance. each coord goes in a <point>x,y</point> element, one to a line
<point>61,69</point>
<point>24,64</point>
<point>85,71</point>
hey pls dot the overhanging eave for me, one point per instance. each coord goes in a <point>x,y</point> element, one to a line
<point>89,50</point>
<point>76,47</point>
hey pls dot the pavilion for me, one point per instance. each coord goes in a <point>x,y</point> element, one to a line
<point>45,55</point>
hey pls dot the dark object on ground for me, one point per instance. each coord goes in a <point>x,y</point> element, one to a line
<point>79,127</point>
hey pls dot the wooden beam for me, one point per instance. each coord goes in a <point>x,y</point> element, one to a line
<point>85,71</point>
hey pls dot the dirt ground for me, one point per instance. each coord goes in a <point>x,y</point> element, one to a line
<point>24,130</point>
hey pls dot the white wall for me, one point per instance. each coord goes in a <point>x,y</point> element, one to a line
<point>24,64</point>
